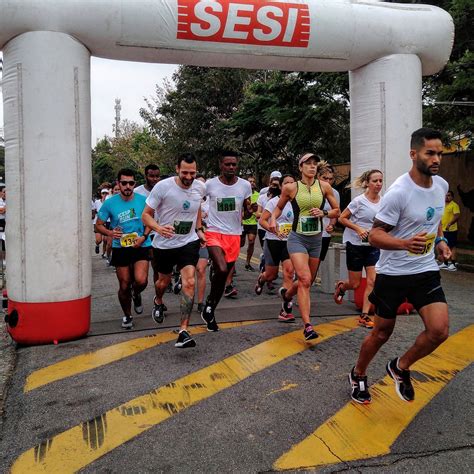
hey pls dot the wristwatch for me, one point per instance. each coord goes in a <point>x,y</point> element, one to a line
<point>325,213</point>
<point>440,239</point>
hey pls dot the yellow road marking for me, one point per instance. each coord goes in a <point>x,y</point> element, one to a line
<point>365,431</point>
<point>254,260</point>
<point>77,447</point>
<point>107,355</point>
<point>284,387</point>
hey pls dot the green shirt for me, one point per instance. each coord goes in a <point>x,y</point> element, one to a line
<point>253,219</point>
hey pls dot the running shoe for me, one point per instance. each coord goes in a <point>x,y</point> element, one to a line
<point>258,286</point>
<point>360,391</point>
<point>249,268</point>
<point>137,302</point>
<point>104,256</point>
<point>402,380</point>
<point>177,286</point>
<point>451,268</point>
<point>365,321</point>
<point>443,266</point>
<point>97,249</point>
<point>158,312</point>
<point>230,291</point>
<point>261,265</point>
<point>309,333</point>
<point>285,317</point>
<point>127,322</point>
<point>207,316</point>
<point>339,292</point>
<point>287,307</point>
<point>184,340</point>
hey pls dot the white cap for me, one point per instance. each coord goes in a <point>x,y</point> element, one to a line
<point>275,174</point>
<point>104,191</point>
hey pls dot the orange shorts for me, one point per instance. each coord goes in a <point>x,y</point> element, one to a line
<point>230,244</point>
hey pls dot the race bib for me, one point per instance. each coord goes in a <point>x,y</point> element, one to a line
<point>226,204</point>
<point>430,239</point>
<point>310,225</point>
<point>128,240</point>
<point>284,230</point>
<point>182,227</point>
<point>365,241</point>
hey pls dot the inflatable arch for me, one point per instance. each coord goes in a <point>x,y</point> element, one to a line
<point>47,46</point>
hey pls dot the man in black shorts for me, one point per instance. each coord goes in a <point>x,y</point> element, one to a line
<point>407,229</point>
<point>173,211</point>
<point>130,245</point>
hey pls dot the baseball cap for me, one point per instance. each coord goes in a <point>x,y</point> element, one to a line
<point>307,156</point>
<point>275,174</point>
<point>104,191</point>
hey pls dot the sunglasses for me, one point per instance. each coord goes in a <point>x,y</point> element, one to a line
<point>130,183</point>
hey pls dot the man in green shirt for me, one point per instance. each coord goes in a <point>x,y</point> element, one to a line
<point>250,225</point>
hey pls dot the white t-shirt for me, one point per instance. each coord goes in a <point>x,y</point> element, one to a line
<point>262,201</point>
<point>411,209</point>
<point>177,207</point>
<point>204,211</point>
<point>225,205</point>
<point>96,206</point>
<point>141,190</point>
<point>327,207</point>
<point>285,221</point>
<point>363,214</point>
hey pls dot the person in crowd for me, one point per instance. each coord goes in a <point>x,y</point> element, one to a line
<point>449,222</point>
<point>250,225</point>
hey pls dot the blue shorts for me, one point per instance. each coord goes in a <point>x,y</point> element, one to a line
<point>360,256</point>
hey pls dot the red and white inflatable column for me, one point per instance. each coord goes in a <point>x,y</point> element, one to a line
<point>46,88</point>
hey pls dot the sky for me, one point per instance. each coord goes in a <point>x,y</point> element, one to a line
<point>128,81</point>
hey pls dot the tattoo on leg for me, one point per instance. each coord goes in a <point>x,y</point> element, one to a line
<point>186,306</point>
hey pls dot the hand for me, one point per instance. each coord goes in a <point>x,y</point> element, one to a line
<point>117,233</point>
<point>166,231</point>
<point>363,233</point>
<point>139,241</point>
<point>272,226</point>
<point>417,243</point>
<point>329,228</point>
<point>444,252</point>
<point>254,207</point>
<point>316,212</point>
<point>202,238</point>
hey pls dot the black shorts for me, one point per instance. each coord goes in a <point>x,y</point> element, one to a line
<point>166,259</point>
<point>420,289</point>
<point>275,251</point>
<point>452,238</point>
<point>324,248</point>
<point>360,256</point>
<point>247,229</point>
<point>123,257</point>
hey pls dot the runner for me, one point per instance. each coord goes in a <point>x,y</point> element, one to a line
<point>275,251</point>
<point>307,198</point>
<point>203,261</point>
<point>228,196</point>
<point>99,238</point>
<point>152,176</point>
<point>358,219</point>
<point>450,230</point>
<point>131,242</point>
<point>250,225</point>
<point>176,203</point>
<point>407,229</point>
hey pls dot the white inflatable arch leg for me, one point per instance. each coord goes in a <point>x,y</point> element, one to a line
<point>385,109</point>
<point>46,88</point>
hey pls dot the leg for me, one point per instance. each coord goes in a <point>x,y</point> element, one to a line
<point>221,272</point>
<point>370,273</point>
<point>140,276</point>
<point>302,286</point>
<point>373,342</point>
<point>201,279</point>
<point>187,294</point>
<point>250,248</point>
<point>288,273</point>
<point>124,294</point>
<point>161,284</point>
<point>436,320</point>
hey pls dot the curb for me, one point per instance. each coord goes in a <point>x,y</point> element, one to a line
<point>7,365</point>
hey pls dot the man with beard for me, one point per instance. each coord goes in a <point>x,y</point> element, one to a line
<point>173,211</point>
<point>228,196</point>
<point>152,176</point>
<point>130,245</point>
<point>407,229</point>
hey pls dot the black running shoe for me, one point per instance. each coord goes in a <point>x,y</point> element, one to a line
<point>184,340</point>
<point>287,307</point>
<point>137,302</point>
<point>249,268</point>
<point>309,333</point>
<point>158,312</point>
<point>97,249</point>
<point>127,322</point>
<point>360,390</point>
<point>207,316</point>
<point>230,291</point>
<point>401,377</point>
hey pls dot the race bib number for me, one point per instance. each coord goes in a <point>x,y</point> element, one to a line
<point>430,239</point>
<point>310,225</point>
<point>182,227</point>
<point>284,230</point>
<point>128,240</point>
<point>226,204</point>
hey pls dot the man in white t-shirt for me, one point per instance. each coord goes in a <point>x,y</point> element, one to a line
<point>407,229</point>
<point>173,211</point>
<point>229,199</point>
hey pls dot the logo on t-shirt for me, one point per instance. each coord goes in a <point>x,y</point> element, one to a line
<point>289,214</point>
<point>186,205</point>
<point>430,212</point>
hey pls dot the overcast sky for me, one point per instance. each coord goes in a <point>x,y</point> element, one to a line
<point>128,81</point>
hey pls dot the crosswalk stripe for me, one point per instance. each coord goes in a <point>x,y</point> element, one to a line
<point>77,447</point>
<point>365,431</point>
<point>107,355</point>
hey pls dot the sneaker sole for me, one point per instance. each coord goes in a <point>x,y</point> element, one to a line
<point>138,309</point>
<point>311,337</point>
<point>397,384</point>
<point>185,345</point>
<point>286,320</point>
<point>127,326</point>
<point>360,402</point>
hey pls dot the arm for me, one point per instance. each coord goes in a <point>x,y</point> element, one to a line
<point>148,219</point>
<point>453,220</point>
<point>442,245</point>
<point>264,220</point>
<point>247,208</point>
<point>200,229</point>
<point>329,195</point>
<point>288,191</point>
<point>344,219</point>
<point>101,229</point>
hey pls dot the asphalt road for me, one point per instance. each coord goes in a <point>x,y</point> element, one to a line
<point>251,398</point>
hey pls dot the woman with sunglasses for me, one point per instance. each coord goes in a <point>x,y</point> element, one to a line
<point>307,198</point>
<point>357,219</point>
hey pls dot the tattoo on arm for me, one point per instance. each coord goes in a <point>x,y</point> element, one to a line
<point>382,225</point>
<point>186,306</point>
